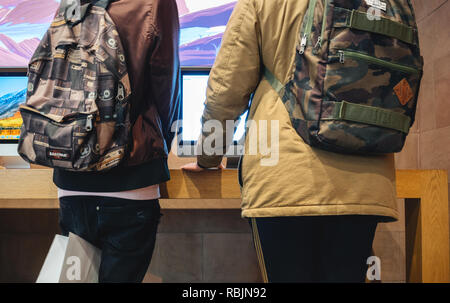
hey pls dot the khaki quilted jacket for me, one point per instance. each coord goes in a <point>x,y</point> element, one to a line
<point>305,181</point>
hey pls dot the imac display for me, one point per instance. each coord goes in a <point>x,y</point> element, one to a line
<point>13,91</point>
<point>194,95</point>
<point>24,22</point>
<point>202,25</point>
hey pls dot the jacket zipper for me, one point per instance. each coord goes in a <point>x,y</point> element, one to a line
<point>308,28</point>
<point>318,45</point>
<point>395,66</point>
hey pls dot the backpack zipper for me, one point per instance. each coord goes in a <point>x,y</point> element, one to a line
<point>318,45</point>
<point>89,123</point>
<point>60,120</point>
<point>390,65</point>
<point>308,28</point>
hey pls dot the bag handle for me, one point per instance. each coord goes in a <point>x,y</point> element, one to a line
<point>383,26</point>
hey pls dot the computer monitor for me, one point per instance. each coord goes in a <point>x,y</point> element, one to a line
<point>202,25</point>
<point>13,91</point>
<point>194,86</point>
<point>22,26</point>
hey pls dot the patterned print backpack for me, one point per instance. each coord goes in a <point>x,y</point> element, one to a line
<point>76,116</point>
<point>357,75</point>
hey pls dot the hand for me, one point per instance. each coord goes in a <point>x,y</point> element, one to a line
<point>193,167</point>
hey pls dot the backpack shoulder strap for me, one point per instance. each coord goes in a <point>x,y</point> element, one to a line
<point>274,82</point>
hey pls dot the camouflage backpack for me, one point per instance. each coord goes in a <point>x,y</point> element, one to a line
<point>76,116</point>
<point>356,77</point>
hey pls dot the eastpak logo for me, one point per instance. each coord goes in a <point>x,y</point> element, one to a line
<point>58,154</point>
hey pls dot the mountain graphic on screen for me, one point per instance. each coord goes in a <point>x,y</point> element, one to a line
<point>17,54</point>
<point>203,50</point>
<point>22,24</point>
<point>9,103</point>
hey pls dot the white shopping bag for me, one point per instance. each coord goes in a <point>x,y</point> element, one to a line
<point>51,270</point>
<point>70,260</point>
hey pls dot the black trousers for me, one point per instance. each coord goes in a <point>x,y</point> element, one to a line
<point>314,249</point>
<point>125,231</point>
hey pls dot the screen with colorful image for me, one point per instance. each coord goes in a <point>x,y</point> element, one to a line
<point>24,22</point>
<point>202,25</point>
<point>13,91</point>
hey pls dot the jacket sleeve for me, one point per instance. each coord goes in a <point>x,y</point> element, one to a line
<point>165,66</point>
<point>234,76</point>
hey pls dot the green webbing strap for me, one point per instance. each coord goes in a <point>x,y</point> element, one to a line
<point>361,21</point>
<point>276,84</point>
<point>371,115</point>
<point>356,112</point>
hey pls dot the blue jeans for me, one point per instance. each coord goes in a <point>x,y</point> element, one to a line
<point>125,231</point>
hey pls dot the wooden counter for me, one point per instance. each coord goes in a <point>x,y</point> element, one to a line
<point>34,189</point>
<point>425,193</point>
<point>427,224</point>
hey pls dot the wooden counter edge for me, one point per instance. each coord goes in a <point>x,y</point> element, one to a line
<point>35,186</point>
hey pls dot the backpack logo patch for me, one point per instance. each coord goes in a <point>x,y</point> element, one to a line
<point>404,92</point>
<point>58,154</point>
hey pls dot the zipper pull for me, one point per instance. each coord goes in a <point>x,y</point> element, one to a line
<point>303,44</point>
<point>318,46</point>
<point>341,57</point>
<point>89,123</point>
